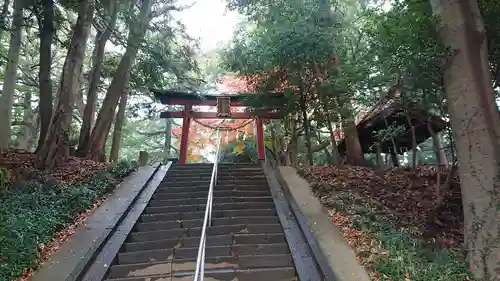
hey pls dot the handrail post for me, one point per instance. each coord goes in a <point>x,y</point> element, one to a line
<point>207,220</point>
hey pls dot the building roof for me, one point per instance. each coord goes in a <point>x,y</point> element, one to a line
<point>390,111</point>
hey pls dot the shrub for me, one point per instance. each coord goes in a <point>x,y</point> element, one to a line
<point>31,213</point>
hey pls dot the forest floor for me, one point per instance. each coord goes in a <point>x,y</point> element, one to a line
<point>40,210</point>
<point>21,165</point>
<point>390,219</point>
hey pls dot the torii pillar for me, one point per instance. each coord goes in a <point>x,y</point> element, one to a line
<point>186,122</point>
<point>261,153</point>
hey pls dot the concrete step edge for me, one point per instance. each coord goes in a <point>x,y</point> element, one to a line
<point>178,190</point>
<point>213,227</point>
<point>213,257</point>
<point>208,236</point>
<point>214,220</point>
<point>202,213</point>
<point>179,277</point>
<point>216,205</point>
<point>230,199</point>
<point>216,263</point>
<point>208,247</point>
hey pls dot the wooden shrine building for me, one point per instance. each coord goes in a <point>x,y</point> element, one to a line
<point>386,113</point>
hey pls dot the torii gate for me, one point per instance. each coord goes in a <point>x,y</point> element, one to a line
<point>224,104</point>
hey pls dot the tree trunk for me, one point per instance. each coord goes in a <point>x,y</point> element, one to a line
<point>378,152</point>
<point>307,129</point>
<point>23,141</point>
<point>101,39</point>
<point>46,27</point>
<point>394,157</point>
<point>413,142</point>
<point>354,152</point>
<point>95,147</point>
<point>291,144</point>
<point>55,149</point>
<point>438,146</point>
<point>117,132</point>
<point>474,120</point>
<point>335,150</point>
<point>10,76</point>
<point>3,17</point>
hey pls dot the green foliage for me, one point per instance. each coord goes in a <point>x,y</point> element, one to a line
<point>282,45</point>
<point>31,213</point>
<point>392,131</point>
<point>403,253</point>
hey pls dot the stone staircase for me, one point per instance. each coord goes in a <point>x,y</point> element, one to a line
<point>246,241</point>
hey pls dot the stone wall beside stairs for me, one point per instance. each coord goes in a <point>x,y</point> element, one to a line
<point>338,253</point>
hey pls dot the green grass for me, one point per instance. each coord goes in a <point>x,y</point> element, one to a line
<point>31,213</point>
<point>405,255</point>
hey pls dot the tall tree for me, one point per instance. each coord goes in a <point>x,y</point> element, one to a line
<point>94,148</point>
<point>3,16</point>
<point>117,131</point>
<point>474,120</point>
<point>55,149</point>
<point>46,26</point>
<point>10,76</point>
<point>101,39</point>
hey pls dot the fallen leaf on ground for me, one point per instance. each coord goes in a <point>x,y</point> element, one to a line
<point>407,195</point>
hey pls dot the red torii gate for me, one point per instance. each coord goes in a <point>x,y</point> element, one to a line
<point>224,104</point>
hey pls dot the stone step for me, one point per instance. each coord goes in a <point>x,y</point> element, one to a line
<point>264,229</point>
<point>217,193</point>
<point>274,274</point>
<point>217,206</point>
<point>185,265</point>
<point>208,172</point>
<point>207,177</point>
<point>221,168</point>
<point>174,224</point>
<point>224,176</point>
<point>200,183</point>
<point>158,252</point>
<point>221,164</point>
<point>212,240</point>
<point>203,200</point>
<point>266,274</point>
<point>206,184</point>
<point>156,248</point>
<point>205,188</point>
<point>201,215</point>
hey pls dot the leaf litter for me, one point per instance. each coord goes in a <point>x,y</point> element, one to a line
<point>404,197</point>
<point>399,193</point>
<point>22,166</point>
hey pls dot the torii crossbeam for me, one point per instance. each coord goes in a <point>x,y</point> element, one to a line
<point>224,104</point>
